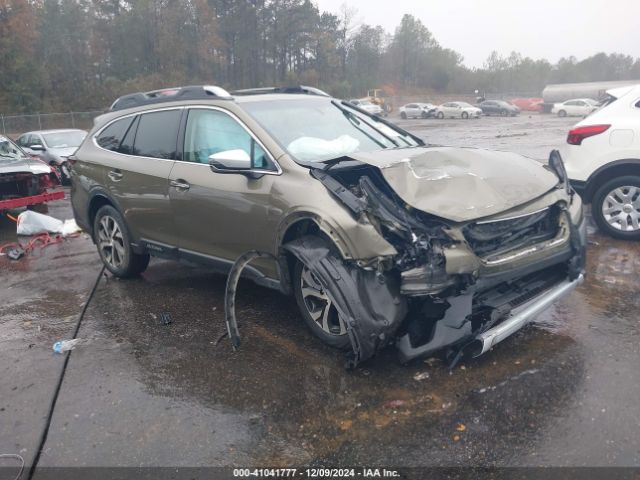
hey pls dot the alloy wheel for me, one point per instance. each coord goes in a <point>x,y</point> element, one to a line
<point>319,305</point>
<point>621,208</point>
<point>110,242</point>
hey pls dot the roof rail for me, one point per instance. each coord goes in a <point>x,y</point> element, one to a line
<point>173,94</point>
<point>292,89</point>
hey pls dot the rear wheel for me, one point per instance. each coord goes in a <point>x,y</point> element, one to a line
<point>317,309</point>
<point>503,113</point>
<point>562,113</point>
<point>424,115</point>
<point>616,207</point>
<point>465,115</point>
<point>403,115</point>
<point>114,244</point>
<point>440,115</point>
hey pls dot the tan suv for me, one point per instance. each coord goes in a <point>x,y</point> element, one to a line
<point>381,238</point>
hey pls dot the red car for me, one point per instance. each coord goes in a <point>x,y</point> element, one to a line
<point>528,104</point>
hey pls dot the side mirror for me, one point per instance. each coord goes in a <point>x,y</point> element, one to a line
<point>230,161</point>
<point>233,161</point>
<point>37,148</point>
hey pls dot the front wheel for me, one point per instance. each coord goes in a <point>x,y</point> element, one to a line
<point>503,113</point>
<point>440,115</point>
<point>403,116</point>
<point>616,207</point>
<point>562,113</point>
<point>114,244</point>
<point>465,115</point>
<point>317,309</point>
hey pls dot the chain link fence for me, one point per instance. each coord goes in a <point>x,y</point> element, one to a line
<point>14,125</point>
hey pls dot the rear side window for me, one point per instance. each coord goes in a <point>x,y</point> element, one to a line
<point>157,134</point>
<point>111,136</point>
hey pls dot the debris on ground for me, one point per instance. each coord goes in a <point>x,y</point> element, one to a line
<point>165,318</point>
<point>421,376</point>
<point>461,427</point>
<point>65,345</point>
<point>34,223</point>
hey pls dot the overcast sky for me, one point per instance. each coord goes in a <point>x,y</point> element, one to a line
<point>536,28</point>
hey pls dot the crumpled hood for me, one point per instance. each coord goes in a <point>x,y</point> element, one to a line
<point>23,165</point>
<point>461,184</point>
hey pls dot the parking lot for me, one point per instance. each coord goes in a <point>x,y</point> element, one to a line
<point>144,391</point>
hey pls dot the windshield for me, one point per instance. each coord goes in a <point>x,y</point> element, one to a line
<point>64,139</point>
<point>316,130</point>
<point>10,151</point>
<point>464,104</point>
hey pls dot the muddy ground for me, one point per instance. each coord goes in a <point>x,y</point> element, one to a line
<point>140,392</point>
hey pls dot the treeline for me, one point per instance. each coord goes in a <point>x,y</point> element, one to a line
<point>60,55</point>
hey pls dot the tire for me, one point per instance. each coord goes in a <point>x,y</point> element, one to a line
<point>424,115</point>
<point>440,115</point>
<point>112,238</point>
<point>403,115</point>
<point>616,207</point>
<point>316,309</point>
<point>503,113</point>
<point>465,115</point>
<point>562,113</point>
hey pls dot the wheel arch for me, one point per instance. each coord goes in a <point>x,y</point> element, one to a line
<point>97,199</point>
<point>298,225</point>
<point>619,168</point>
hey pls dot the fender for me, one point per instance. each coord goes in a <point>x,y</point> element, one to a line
<point>324,226</point>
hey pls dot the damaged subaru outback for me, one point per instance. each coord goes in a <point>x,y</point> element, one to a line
<point>381,238</point>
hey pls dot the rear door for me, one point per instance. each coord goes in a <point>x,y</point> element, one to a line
<point>222,215</point>
<point>137,176</point>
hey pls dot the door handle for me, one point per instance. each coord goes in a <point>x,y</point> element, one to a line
<point>115,175</point>
<point>180,185</point>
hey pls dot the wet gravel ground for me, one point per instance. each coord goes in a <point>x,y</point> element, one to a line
<point>140,392</point>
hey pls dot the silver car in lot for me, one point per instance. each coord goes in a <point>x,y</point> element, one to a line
<point>53,146</point>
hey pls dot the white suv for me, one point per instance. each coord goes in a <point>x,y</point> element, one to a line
<point>602,159</point>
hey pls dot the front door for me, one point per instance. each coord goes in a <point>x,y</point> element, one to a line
<point>222,215</point>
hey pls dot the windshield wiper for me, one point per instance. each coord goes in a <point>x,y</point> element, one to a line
<point>353,118</point>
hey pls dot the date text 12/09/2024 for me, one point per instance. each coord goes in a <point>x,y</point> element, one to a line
<point>315,473</point>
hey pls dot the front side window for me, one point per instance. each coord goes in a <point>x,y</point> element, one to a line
<point>211,131</point>
<point>111,137</point>
<point>157,134</point>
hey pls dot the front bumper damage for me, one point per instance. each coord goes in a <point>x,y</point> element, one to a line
<point>447,290</point>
